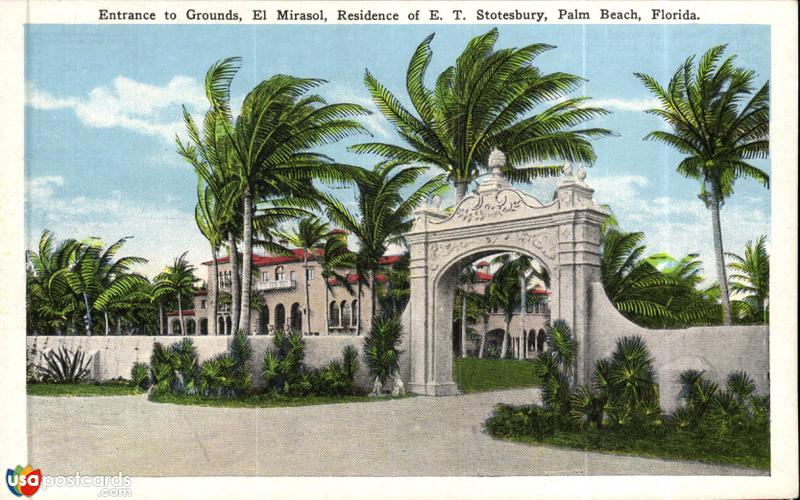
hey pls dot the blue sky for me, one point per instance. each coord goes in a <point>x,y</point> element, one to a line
<point>103,107</point>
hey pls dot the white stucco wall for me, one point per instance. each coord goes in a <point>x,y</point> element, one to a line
<point>113,356</point>
<point>719,350</point>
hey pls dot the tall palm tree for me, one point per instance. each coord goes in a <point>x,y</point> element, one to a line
<point>504,293</point>
<point>310,236</point>
<point>210,154</point>
<point>116,279</point>
<point>467,278</point>
<point>272,141</point>
<point>384,213</point>
<point>49,297</point>
<point>750,278</point>
<point>720,122</point>
<point>335,259</point>
<point>178,279</point>
<point>482,102</point>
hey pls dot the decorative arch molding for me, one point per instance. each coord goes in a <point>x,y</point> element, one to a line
<point>563,235</point>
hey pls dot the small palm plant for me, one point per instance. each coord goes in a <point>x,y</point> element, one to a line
<point>380,349</point>
<point>64,366</point>
<point>140,375</point>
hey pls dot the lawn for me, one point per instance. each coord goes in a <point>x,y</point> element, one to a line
<point>481,374</point>
<point>85,389</point>
<point>745,449</point>
<point>267,400</point>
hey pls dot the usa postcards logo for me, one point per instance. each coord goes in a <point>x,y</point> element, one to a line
<point>24,481</point>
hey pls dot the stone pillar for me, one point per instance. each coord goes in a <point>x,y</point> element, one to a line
<point>579,220</point>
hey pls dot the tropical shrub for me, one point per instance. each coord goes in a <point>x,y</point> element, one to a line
<point>284,371</point>
<point>140,375</point>
<point>710,410</point>
<point>64,366</point>
<point>380,349</point>
<point>175,368</point>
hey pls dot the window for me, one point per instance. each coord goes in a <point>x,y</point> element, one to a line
<point>279,275</point>
<point>333,314</point>
<point>309,274</point>
<point>355,312</point>
<point>202,304</point>
<point>264,276</point>
<point>345,313</point>
<point>291,276</point>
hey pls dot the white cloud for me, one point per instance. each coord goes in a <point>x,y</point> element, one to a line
<point>376,122</point>
<point>140,107</point>
<point>159,233</point>
<point>680,226</point>
<point>614,104</point>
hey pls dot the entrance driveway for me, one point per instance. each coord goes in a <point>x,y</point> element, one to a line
<point>420,436</point>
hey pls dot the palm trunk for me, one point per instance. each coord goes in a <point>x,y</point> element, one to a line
<point>327,310</point>
<point>105,318</point>
<point>522,300</point>
<point>88,322</point>
<point>461,190</point>
<point>160,318</point>
<point>464,325</point>
<point>247,261</point>
<point>119,326</point>
<point>212,320</point>
<point>235,290</point>
<point>180,315</point>
<point>373,293</point>
<point>360,300</point>
<point>483,338</point>
<point>504,346</point>
<point>718,251</point>
<point>308,301</point>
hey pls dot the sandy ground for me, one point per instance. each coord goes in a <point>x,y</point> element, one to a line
<point>420,436</point>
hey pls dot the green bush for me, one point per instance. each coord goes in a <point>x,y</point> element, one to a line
<point>175,368</point>
<point>63,366</point>
<point>140,375</point>
<point>380,348</point>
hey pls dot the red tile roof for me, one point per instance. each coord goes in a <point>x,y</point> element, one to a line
<point>390,259</point>
<point>483,263</point>
<point>483,276</point>
<point>338,230</point>
<point>186,312</point>
<point>353,278</point>
<point>260,260</point>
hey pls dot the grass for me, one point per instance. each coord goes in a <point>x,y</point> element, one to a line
<point>744,449</point>
<point>482,374</point>
<point>83,389</point>
<point>267,400</point>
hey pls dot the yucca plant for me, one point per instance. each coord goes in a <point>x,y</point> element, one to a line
<point>216,376</point>
<point>587,408</point>
<point>333,379</point>
<point>380,350</point>
<point>726,413</point>
<point>140,375</point>
<point>741,385</point>
<point>682,418</point>
<point>564,347</point>
<point>350,361</point>
<point>632,375</point>
<point>697,391</point>
<point>64,366</point>
<point>545,365</point>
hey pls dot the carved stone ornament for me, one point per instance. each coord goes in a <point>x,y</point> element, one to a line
<point>481,208</point>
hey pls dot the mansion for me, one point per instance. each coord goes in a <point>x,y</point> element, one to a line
<point>279,283</point>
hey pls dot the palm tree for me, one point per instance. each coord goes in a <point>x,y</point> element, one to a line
<point>718,131</point>
<point>335,257</point>
<point>178,279</point>
<point>211,156</point>
<point>467,278</point>
<point>116,279</point>
<point>750,275</point>
<point>272,142</point>
<point>481,103</point>
<point>49,298</point>
<point>310,236</point>
<point>384,213</point>
<point>504,292</point>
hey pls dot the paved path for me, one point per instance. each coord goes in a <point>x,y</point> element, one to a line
<point>420,436</point>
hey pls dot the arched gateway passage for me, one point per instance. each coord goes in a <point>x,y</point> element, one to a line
<point>563,235</point>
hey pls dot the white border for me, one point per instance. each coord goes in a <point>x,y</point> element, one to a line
<point>783,482</point>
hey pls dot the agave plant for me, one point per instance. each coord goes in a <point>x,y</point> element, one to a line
<point>380,349</point>
<point>64,366</point>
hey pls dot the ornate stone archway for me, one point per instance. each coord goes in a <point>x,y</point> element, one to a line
<point>564,235</point>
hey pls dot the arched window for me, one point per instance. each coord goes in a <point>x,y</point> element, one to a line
<point>228,326</point>
<point>280,317</point>
<point>540,341</point>
<point>221,326</point>
<point>176,327</point>
<point>190,327</point>
<point>345,313</point>
<point>279,274</point>
<point>204,326</point>
<point>532,341</point>
<point>263,321</point>
<point>355,312</point>
<point>333,314</point>
<point>296,317</point>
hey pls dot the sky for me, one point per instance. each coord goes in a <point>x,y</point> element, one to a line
<point>103,106</point>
